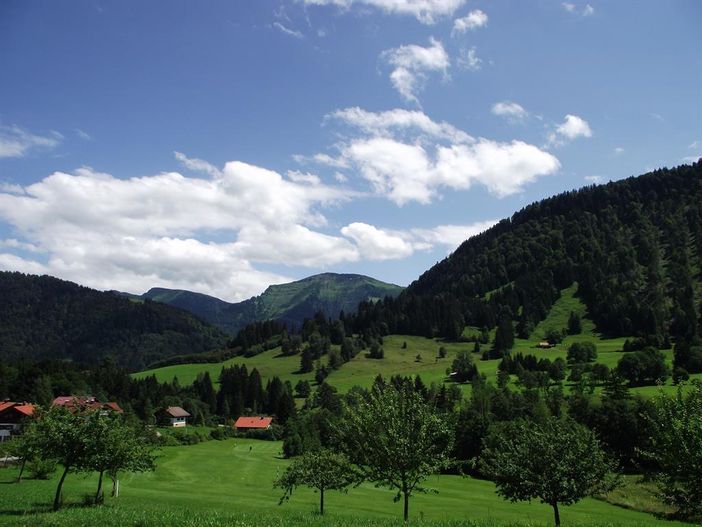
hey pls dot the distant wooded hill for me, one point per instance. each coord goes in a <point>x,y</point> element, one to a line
<point>328,293</point>
<point>634,247</point>
<point>46,318</point>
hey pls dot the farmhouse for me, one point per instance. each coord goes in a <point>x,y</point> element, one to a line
<point>174,416</point>
<point>85,402</point>
<point>253,423</point>
<point>12,416</point>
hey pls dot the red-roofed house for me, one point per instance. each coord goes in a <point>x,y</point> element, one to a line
<point>85,402</point>
<point>253,423</point>
<point>12,415</point>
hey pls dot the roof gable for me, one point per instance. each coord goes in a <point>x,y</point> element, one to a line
<point>176,411</point>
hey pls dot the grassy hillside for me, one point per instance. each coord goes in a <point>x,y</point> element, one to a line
<point>401,360</point>
<point>329,293</point>
<point>217,482</point>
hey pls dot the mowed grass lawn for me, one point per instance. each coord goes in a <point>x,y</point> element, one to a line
<point>236,476</point>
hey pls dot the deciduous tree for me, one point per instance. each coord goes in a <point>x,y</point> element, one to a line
<point>321,470</point>
<point>558,462</point>
<point>676,447</point>
<point>396,439</point>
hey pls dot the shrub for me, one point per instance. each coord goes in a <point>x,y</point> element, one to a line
<point>582,352</point>
<point>680,375</point>
<point>41,468</point>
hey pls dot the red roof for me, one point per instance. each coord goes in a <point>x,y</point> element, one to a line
<point>114,406</point>
<point>86,401</point>
<point>253,422</point>
<point>24,409</point>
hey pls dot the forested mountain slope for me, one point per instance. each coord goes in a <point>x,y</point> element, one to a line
<point>43,317</point>
<point>634,247</point>
<point>292,303</point>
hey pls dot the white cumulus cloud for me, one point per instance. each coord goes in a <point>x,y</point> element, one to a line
<point>509,110</point>
<point>405,156</point>
<point>377,244</point>
<point>452,235</point>
<point>412,63</point>
<point>571,128</point>
<point>473,20</point>
<point>204,234</point>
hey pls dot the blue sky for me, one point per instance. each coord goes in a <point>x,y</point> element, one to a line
<point>224,146</point>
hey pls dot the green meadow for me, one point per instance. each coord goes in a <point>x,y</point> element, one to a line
<point>231,483</point>
<point>410,355</point>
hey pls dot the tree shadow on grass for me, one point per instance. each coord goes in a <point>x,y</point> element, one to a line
<point>42,508</point>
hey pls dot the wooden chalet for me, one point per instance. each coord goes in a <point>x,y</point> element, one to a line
<point>174,416</point>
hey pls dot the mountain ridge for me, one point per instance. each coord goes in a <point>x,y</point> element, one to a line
<point>291,303</point>
<point>42,317</point>
<point>634,246</point>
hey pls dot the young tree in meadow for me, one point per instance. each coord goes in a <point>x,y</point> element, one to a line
<point>396,439</point>
<point>117,447</point>
<point>558,462</point>
<point>26,447</point>
<point>63,437</point>
<point>321,470</point>
<point>676,447</point>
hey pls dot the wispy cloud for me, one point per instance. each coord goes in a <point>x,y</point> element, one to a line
<point>586,10</point>
<point>18,142</point>
<point>287,31</point>
<point>426,11</point>
<point>469,60</point>
<point>85,136</point>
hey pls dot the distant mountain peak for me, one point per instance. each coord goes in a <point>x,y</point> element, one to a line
<point>292,302</point>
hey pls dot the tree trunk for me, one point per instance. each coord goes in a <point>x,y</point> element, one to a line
<point>57,498</point>
<point>321,502</point>
<point>98,495</point>
<point>24,462</point>
<point>115,485</point>
<point>556,515</point>
<point>406,509</point>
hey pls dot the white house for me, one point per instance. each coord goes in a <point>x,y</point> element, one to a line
<point>175,416</point>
